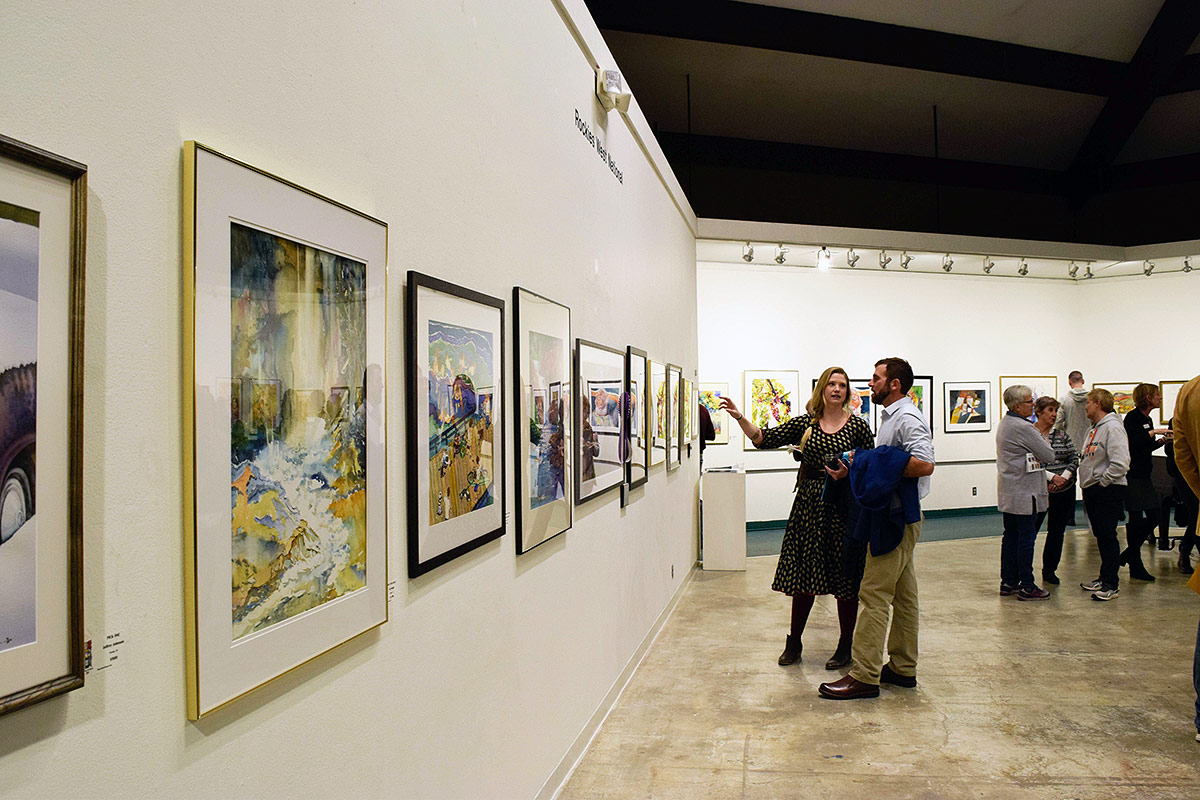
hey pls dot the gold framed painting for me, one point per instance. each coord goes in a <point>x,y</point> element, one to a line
<point>284,341</point>
<point>1122,396</point>
<point>43,232</point>
<point>1041,385</point>
<point>1170,393</point>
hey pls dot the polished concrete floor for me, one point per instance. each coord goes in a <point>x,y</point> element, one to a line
<point>1066,698</point>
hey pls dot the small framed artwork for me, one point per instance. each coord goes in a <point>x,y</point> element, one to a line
<point>43,235</point>
<point>1042,385</point>
<point>966,406</point>
<point>637,440</point>
<point>860,400</point>
<point>541,418</point>
<point>772,398</point>
<point>921,394</point>
<point>287,556</point>
<point>674,416</point>
<point>658,413</point>
<point>710,398</point>
<point>693,407</point>
<point>454,391</point>
<point>1170,393</point>
<point>598,463</point>
<point>1122,396</point>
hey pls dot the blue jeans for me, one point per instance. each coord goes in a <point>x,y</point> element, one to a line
<point>1016,550</point>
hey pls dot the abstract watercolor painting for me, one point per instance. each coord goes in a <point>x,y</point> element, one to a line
<point>966,406</point>
<point>674,415</point>
<point>710,398</point>
<point>658,412</point>
<point>542,418</point>
<point>772,398</point>
<point>286,447</point>
<point>1122,396</point>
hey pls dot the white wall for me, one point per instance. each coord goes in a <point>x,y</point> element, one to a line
<point>953,327</point>
<point>455,124</point>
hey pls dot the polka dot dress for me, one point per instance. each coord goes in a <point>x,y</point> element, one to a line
<point>810,561</point>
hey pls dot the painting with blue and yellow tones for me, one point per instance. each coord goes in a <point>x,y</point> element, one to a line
<point>298,441</point>
<point>461,429</point>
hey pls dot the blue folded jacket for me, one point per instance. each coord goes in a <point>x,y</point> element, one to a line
<point>889,500</point>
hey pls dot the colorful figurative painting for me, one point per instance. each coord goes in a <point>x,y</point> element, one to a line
<point>460,420</point>
<point>604,403</point>
<point>860,400</point>
<point>19,229</point>
<point>966,407</point>
<point>546,431</point>
<point>710,398</point>
<point>298,472</point>
<point>772,398</point>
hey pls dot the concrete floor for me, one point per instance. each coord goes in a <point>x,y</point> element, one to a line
<point>1066,698</point>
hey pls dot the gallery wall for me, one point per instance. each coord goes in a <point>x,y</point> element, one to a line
<point>953,327</point>
<point>455,124</point>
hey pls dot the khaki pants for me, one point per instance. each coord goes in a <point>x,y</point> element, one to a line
<point>889,581</point>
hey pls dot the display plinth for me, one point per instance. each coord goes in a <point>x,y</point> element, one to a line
<point>724,520</point>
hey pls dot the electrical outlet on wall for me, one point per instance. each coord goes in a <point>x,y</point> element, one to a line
<point>672,570</point>
<point>974,491</point>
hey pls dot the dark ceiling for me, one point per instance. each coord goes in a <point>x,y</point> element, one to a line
<point>1074,120</point>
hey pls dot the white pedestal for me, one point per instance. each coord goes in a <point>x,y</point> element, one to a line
<point>724,520</point>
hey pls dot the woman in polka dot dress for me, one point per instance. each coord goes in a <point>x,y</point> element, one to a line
<point>811,560</point>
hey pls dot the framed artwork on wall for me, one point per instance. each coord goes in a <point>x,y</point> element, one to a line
<point>454,386</point>
<point>921,394</point>
<point>966,406</point>
<point>1170,393</point>
<point>657,413</point>
<point>599,373</point>
<point>772,398</point>
<point>1042,385</point>
<point>284,299</point>
<point>43,236</point>
<point>541,418</point>
<point>860,400</point>
<point>637,439</point>
<point>674,418</point>
<point>689,412</point>
<point>710,398</point>
<point>1122,396</point>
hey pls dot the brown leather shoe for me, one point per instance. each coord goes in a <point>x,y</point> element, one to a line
<point>848,689</point>
<point>888,675</point>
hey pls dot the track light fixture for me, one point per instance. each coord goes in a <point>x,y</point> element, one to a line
<point>1072,270</point>
<point>987,265</point>
<point>851,257</point>
<point>780,254</point>
<point>1088,273</point>
<point>1187,264</point>
<point>1023,270</point>
<point>823,258</point>
<point>947,262</point>
<point>884,259</point>
<point>747,252</point>
<point>1147,267</point>
<point>905,260</point>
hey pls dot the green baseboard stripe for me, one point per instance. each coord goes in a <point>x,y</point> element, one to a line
<point>766,525</point>
<point>979,511</point>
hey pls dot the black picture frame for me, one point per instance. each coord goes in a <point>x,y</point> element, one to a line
<point>584,437</point>
<point>637,454</point>
<point>521,425</point>
<point>420,563</point>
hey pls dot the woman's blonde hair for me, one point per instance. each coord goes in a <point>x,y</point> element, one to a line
<point>816,404</point>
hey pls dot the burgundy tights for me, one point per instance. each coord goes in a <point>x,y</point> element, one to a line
<point>847,615</point>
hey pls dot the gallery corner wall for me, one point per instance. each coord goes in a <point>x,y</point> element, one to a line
<point>953,327</point>
<point>473,130</point>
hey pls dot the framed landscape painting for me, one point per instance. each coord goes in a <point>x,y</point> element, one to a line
<point>285,336</point>
<point>658,413</point>
<point>637,439</point>
<point>674,416</point>
<point>772,398</point>
<point>454,392</point>
<point>1122,396</point>
<point>599,466</point>
<point>43,233</point>
<point>710,398</point>
<point>967,407</point>
<point>542,413</point>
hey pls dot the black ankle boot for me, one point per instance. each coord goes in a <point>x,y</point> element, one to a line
<point>840,658</point>
<point>791,651</point>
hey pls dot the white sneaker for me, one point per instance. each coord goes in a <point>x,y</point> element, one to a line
<point>1106,594</point>
<point>1198,737</point>
<point>1092,586</point>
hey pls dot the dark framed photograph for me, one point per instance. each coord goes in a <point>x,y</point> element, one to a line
<point>541,418</point>
<point>637,439</point>
<point>921,394</point>
<point>43,234</point>
<point>599,381</point>
<point>675,423</point>
<point>454,391</point>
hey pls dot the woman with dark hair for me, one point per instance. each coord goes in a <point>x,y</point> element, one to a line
<point>1141,502</point>
<point>813,559</point>
<point>1062,493</point>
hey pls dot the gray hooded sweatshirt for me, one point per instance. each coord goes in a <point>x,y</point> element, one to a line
<point>1105,457</point>
<point>1072,417</point>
